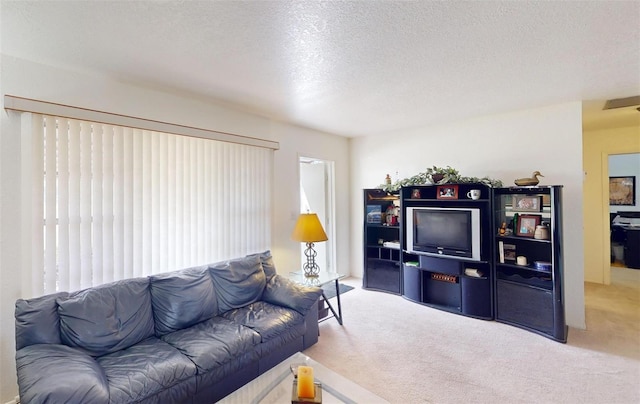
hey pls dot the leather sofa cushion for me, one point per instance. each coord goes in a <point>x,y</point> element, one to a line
<point>213,343</point>
<point>107,318</point>
<point>268,265</point>
<point>145,369</point>
<point>266,319</point>
<point>284,292</point>
<point>238,282</point>
<point>37,320</point>
<point>40,380</point>
<point>181,299</point>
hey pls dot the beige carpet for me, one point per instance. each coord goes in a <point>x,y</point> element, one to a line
<point>410,353</point>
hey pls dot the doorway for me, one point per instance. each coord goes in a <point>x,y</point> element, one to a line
<point>624,166</point>
<point>317,196</point>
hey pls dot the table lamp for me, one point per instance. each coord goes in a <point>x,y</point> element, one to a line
<point>309,230</point>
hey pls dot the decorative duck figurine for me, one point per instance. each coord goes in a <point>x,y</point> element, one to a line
<point>529,181</point>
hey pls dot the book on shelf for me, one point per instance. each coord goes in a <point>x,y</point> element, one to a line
<point>507,252</point>
<point>392,244</point>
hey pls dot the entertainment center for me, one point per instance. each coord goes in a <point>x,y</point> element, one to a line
<point>470,249</point>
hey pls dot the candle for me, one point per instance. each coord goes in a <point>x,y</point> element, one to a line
<point>306,389</point>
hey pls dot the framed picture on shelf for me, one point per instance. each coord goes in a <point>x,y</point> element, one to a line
<point>447,192</point>
<point>526,203</point>
<point>526,226</point>
<point>374,214</point>
<point>622,191</point>
<point>415,193</point>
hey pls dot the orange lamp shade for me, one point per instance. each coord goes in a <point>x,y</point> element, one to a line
<point>308,229</point>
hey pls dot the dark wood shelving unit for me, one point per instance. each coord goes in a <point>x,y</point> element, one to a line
<point>382,269</point>
<point>441,282</point>
<point>528,297</point>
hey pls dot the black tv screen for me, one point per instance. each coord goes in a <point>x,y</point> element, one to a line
<point>442,229</point>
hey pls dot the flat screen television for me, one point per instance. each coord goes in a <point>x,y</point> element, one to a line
<point>448,232</point>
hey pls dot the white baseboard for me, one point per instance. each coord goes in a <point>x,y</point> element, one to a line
<point>16,400</point>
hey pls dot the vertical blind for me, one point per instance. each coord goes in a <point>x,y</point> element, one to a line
<point>111,202</point>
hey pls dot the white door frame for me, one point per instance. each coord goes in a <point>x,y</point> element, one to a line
<point>327,206</point>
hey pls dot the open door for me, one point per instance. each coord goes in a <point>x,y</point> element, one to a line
<point>317,196</point>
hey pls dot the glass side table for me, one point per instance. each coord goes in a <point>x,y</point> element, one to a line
<point>322,279</point>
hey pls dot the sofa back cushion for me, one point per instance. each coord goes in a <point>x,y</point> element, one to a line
<point>107,318</point>
<point>37,320</point>
<point>238,282</point>
<point>268,266</point>
<point>182,298</point>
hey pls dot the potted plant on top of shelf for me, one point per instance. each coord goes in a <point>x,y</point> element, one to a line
<point>438,176</point>
<point>442,175</point>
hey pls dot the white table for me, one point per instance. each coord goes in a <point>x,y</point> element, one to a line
<point>276,386</point>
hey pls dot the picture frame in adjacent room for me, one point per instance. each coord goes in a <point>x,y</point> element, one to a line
<point>526,226</point>
<point>622,190</point>
<point>447,192</point>
<point>526,203</point>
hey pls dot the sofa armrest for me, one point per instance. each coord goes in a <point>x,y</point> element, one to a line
<point>52,373</point>
<point>284,292</point>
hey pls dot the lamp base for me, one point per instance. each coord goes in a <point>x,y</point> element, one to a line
<point>310,268</point>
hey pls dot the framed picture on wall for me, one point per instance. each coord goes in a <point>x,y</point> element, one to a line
<point>622,191</point>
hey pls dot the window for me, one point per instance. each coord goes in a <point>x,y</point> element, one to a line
<point>117,202</point>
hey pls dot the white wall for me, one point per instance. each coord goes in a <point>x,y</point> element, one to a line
<point>25,79</point>
<point>295,142</point>
<point>623,165</point>
<point>506,147</point>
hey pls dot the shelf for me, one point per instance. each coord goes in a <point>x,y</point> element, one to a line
<point>383,253</point>
<point>522,267</point>
<point>465,199</point>
<point>444,257</point>
<point>533,282</point>
<point>519,238</point>
<point>381,246</point>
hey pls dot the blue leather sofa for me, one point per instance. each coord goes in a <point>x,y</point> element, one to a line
<point>192,335</point>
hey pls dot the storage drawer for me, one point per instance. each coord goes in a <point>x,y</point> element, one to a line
<point>476,296</point>
<point>525,305</point>
<point>383,275</point>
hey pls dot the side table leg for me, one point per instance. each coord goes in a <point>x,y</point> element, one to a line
<point>339,304</point>
<point>338,315</point>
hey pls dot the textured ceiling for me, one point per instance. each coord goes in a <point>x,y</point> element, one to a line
<point>350,68</point>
